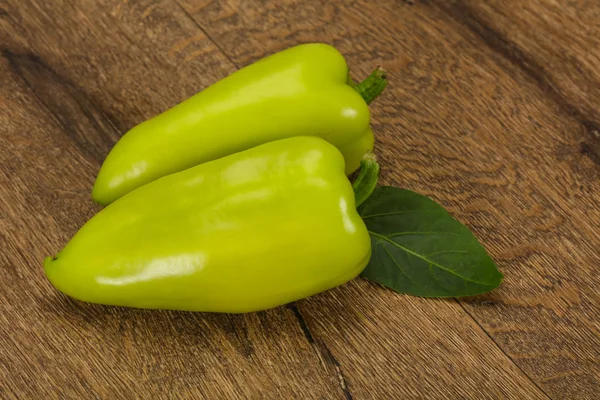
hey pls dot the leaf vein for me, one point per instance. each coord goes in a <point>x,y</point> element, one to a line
<point>437,253</point>
<point>426,259</point>
<point>420,233</point>
<point>399,267</point>
<point>394,213</point>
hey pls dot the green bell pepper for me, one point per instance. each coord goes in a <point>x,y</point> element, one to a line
<point>246,232</point>
<point>301,91</point>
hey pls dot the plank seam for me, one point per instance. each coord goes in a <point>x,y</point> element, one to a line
<point>322,351</point>
<point>502,350</point>
<point>205,32</point>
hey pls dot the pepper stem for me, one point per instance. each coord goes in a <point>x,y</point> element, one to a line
<point>349,81</point>
<point>372,86</point>
<point>365,183</point>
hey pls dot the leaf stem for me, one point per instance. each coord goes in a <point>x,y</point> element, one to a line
<point>372,86</point>
<point>365,183</point>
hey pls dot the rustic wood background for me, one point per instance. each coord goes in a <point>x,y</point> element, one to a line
<point>493,110</point>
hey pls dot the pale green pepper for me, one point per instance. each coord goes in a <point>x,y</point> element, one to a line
<point>301,91</point>
<point>246,232</point>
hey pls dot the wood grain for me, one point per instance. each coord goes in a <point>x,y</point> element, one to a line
<point>492,110</point>
<point>503,132</point>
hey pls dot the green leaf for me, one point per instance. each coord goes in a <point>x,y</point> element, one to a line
<point>418,248</point>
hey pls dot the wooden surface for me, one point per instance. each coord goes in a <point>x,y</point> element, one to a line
<point>493,110</point>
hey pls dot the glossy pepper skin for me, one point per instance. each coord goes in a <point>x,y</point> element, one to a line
<point>247,232</point>
<point>301,91</point>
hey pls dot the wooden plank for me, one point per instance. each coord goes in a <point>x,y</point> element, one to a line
<point>78,77</point>
<point>556,44</point>
<point>557,47</point>
<point>469,119</point>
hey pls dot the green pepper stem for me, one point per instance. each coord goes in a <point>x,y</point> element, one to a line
<point>349,81</point>
<point>372,86</point>
<point>365,183</point>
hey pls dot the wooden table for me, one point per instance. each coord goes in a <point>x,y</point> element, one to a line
<point>493,109</point>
